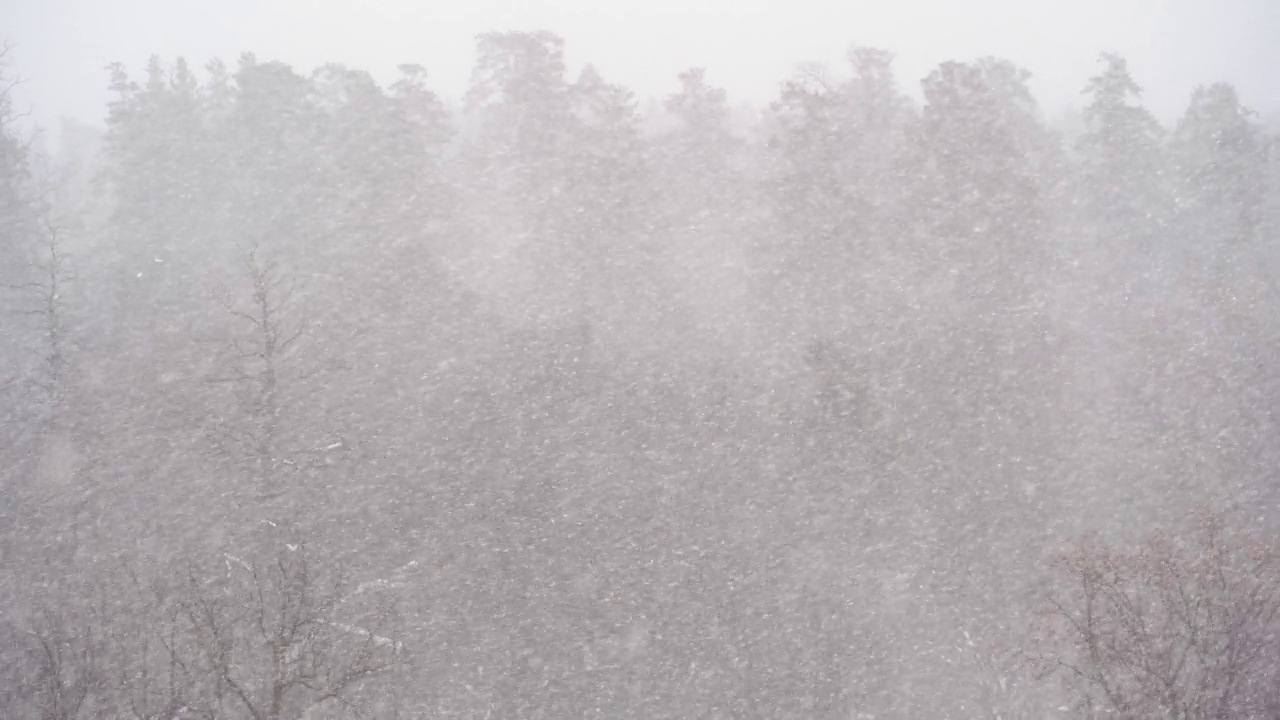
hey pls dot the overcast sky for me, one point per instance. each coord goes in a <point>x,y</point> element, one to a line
<point>748,46</point>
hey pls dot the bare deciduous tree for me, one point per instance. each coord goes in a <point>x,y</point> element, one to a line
<point>275,644</point>
<point>43,295</point>
<point>237,640</point>
<point>1181,627</point>
<point>55,671</point>
<point>256,366</point>
<point>267,364</point>
<point>42,384</point>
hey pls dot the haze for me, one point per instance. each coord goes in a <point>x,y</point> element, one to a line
<point>750,46</point>
<point>728,360</point>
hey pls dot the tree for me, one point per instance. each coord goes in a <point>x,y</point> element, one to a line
<point>1120,158</point>
<point>702,141</point>
<point>1116,236</point>
<point>983,225</point>
<point>14,170</point>
<point>518,168</point>
<point>155,167</point>
<point>984,141</point>
<point>839,187</point>
<point>1177,625</point>
<point>57,673</point>
<point>268,638</point>
<point>48,397</point>
<point>1220,261</point>
<point>521,100</point>
<point>988,368</point>
<point>702,216</point>
<point>268,373</point>
<point>609,252</point>
<point>162,177</point>
<point>45,302</point>
<point>274,145</point>
<point>36,380</point>
<point>36,272</point>
<point>417,132</point>
<point>16,217</point>
<point>1219,153</point>
<point>699,156</point>
<point>273,642</point>
<point>378,155</point>
<point>518,85</point>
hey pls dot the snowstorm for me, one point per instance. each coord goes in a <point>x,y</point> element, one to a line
<point>570,359</point>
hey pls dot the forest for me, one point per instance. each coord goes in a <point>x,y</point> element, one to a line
<point>321,398</point>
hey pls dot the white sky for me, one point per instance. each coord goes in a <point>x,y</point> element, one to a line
<point>748,46</point>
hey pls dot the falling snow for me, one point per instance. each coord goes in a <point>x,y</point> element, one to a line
<point>328,397</point>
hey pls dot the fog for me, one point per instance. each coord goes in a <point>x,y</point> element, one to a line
<point>1173,45</point>
<point>719,360</point>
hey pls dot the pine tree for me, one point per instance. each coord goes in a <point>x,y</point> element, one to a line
<point>1120,159</point>
<point>983,138</point>
<point>609,250</point>
<point>517,165</point>
<point>839,186</point>
<point>702,214</point>
<point>1219,154</point>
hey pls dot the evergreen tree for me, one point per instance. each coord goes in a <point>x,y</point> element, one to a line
<point>988,370</point>
<point>983,139</point>
<point>839,188</point>
<point>517,167</point>
<point>610,253</point>
<point>1224,300</point>
<point>702,216</point>
<point>1120,159</point>
<point>1219,154</point>
<point>15,219</point>
<point>1117,240</point>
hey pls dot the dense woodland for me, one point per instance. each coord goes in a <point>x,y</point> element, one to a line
<point>320,398</point>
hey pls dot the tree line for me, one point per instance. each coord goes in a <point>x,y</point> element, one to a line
<point>604,412</point>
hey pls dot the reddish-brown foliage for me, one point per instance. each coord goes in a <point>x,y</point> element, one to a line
<point>1174,626</point>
